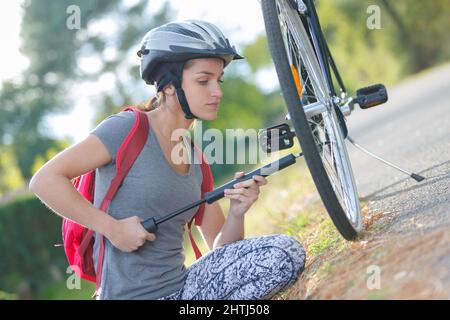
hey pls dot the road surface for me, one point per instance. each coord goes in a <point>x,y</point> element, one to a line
<point>404,252</point>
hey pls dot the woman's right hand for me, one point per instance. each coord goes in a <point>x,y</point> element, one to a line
<point>128,234</point>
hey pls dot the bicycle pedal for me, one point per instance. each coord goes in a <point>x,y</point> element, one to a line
<point>276,138</point>
<point>371,96</point>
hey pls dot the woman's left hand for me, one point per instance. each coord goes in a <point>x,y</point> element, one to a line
<point>244,194</point>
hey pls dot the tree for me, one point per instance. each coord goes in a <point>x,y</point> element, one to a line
<point>54,52</point>
<point>420,28</point>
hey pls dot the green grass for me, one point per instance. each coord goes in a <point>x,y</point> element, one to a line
<point>60,291</point>
<point>7,296</point>
<point>325,268</point>
<point>327,238</point>
<point>377,295</point>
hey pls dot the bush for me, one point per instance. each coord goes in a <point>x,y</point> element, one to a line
<point>29,232</point>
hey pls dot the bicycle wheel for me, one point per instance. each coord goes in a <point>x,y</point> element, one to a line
<point>302,81</point>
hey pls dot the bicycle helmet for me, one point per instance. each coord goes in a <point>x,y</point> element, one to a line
<point>165,50</point>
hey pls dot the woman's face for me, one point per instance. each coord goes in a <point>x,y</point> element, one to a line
<point>201,85</point>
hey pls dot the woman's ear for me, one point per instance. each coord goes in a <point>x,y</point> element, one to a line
<point>169,90</point>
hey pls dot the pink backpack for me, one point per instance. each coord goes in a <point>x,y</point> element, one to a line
<point>79,240</point>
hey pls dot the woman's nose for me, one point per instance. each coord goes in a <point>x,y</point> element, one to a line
<point>217,91</point>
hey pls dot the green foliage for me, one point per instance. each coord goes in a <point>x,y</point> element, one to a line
<point>138,21</point>
<point>419,29</point>
<point>41,159</point>
<point>326,238</point>
<point>29,258</point>
<point>363,56</point>
<point>257,53</point>
<point>54,51</point>
<point>59,291</point>
<point>412,36</point>
<point>7,296</point>
<point>10,176</point>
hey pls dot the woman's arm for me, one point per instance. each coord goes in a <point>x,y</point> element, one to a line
<point>232,230</point>
<point>51,183</point>
<point>212,222</point>
<point>217,231</point>
<point>53,186</point>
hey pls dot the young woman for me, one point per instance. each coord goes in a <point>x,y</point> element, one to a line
<point>185,60</point>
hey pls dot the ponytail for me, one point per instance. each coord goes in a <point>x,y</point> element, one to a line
<point>152,103</point>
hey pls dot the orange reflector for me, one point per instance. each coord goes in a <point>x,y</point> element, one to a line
<point>297,80</point>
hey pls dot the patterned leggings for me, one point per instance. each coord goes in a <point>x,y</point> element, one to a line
<point>250,269</point>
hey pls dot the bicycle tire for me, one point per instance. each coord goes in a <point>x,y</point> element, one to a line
<point>301,125</point>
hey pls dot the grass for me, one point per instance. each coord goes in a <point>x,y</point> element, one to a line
<point>326,237</point>
<point>7,296</point>
<point>59,291</point>
<point>325,268</point>
<point>377,295</point>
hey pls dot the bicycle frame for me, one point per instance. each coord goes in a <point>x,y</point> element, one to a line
<point>326,61</point>
<point>306,71</point>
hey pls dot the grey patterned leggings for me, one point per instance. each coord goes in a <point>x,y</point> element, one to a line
<point>250,269</point>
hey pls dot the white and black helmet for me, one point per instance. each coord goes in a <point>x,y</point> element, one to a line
<point>165,50</point>
<point>181,41</point>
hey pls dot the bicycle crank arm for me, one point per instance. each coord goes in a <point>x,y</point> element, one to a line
<point>413,175</point>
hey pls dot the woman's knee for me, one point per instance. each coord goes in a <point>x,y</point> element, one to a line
<point>293,250</point>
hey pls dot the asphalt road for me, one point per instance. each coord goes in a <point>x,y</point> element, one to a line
<point>412,130</point>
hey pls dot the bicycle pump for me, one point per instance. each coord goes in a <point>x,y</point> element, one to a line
<point>151,224</point>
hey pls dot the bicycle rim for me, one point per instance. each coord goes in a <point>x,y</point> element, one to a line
<point>329,146</point>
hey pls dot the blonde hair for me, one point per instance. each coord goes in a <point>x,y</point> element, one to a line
<point>156,102</point>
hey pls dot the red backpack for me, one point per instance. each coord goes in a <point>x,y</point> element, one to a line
<point>79,240</point>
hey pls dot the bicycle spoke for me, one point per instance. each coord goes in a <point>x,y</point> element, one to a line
<point>324,127</point>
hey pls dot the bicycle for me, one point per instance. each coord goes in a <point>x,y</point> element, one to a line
<point>305,67</point>
<point>303,63</point>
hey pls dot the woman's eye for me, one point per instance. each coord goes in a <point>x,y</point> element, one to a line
<point>205,82</point>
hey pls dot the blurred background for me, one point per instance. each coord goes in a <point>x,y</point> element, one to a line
<point>58,80</point>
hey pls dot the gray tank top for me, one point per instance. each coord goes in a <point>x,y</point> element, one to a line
<point>152,188</point>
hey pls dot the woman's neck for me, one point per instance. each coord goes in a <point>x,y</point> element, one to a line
<point>165,122</point>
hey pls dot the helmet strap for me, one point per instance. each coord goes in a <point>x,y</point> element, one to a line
<point>184,104</point>
<point>180,92</point>
<point>173,74</point>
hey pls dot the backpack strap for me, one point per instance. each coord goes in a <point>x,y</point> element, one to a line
<point>127,154</point>
<point>207,185</point>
